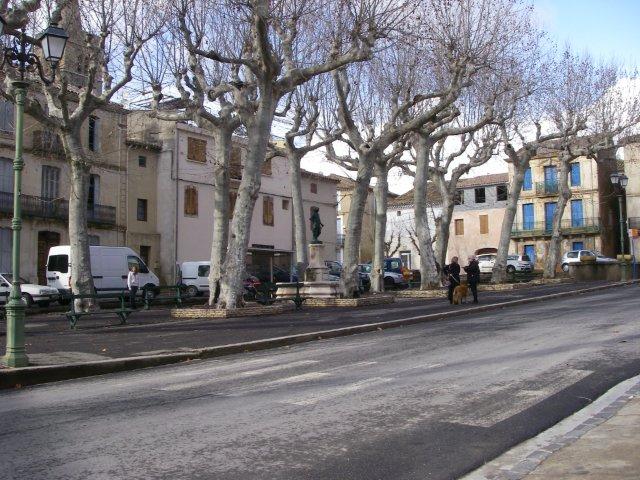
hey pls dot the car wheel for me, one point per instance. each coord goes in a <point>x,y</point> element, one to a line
<point>44,303</point>
<point>192,291</point>
<point>28,299</point>
<point>388,282</point>
<point>149,291</point>
<point>565,267</point>
<point>511,269</point>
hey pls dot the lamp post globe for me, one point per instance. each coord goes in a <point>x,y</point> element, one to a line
<point>624,180</point>
<point>615,178</point>
<point>53,41</point>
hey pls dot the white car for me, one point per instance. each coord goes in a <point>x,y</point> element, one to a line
<point>574,257</point>
<point>515,263</point>
<point>31,293</point>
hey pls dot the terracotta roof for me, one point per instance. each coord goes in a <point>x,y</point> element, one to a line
<point>406,199</point>
<point>482,180</point>
<point>319,176</point>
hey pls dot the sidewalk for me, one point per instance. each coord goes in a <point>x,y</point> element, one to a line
<point>600,442</point>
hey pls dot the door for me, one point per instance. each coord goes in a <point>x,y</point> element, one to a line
<point>549,211</point>
<point>527,216</point>
<point>577,215</point>
<point>577,246</point>
<point>551,179</point>
<point>530,251</point>
<point>203,277</point>
<point>46,240</point>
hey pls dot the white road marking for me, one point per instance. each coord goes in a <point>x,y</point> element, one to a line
<point>337,391</point>
<point>276,368</point>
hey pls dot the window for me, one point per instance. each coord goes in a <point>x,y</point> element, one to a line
<point>575,174</point>
<point>58,263</point>
<point>94,191</point>
<point>314,187</point>
<point>6,116</point>
<point>203,270</point>
<point>399,213</point>
<point>6,175</point>
<point>267,211</point>
<point>145,253</point>
<point>94,134</point>
<point>6,243</point>
<point>484,224</point>
<point>502,192</point>
<point>481,196</point>
<point>142,161</point>
<point>573,254</point>
<point>132,260</point>
<point>527,184</point>
<point>94,240</point>
<point>191,201</point>
<point>576,246</point>
<point>196,150</point>
<point>459,226</point>
<point>142,210</point>
<point>458,197</point>
<point>285,204</point>
<point>393,265</point>
<point>577,214</point>
<point>50,182</point>
<point>406,259</point>
<point>528,218</point>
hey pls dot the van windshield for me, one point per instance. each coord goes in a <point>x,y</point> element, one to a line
<point>58,263</point>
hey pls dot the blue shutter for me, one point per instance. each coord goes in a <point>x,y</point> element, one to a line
<point>530,250</point>
<point>577,214</point>
<point>575,174</point>
<point>527,184</point>
<point>577,246</point>
<point>528,218</point>
<point>549,210</point>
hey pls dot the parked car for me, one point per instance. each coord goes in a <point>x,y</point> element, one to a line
<point>574,257</point>
<point>515,263</point>
<point>393,275</point>
<point>195,277</point>
<point>109,267</point>
<point>31,293</point>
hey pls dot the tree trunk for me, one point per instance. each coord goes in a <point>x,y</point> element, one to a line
<point>445,219</point>
<point>381,193</point>
<point>499,273</point>
<point>259,132</point>
<point>80,260</point>
<point>429,277</point>
<point>299,221</point>
<point>223,144</point>
<point>349,280</point>
<point>555,243</point>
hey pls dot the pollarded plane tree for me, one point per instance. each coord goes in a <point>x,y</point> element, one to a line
<point>274,47</point>
<point>111,34</point>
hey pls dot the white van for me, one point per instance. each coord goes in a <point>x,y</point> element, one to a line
<point>109,267</point>
<point>195,275</point>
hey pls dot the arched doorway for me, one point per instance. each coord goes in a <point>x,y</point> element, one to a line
<point>486,250</point>
<point>46,240</point>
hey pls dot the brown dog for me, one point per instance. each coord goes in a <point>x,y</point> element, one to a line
<point>460,293</point>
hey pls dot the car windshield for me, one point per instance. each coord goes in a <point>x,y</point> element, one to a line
<point>365,268</point>
<point>525,258</point>
<point>7,277</point>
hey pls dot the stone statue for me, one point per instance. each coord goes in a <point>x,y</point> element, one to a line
<point>316,224</point>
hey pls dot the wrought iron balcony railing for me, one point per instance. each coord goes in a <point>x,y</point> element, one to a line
<point>39,207</point>
<point>546,188</point>
<point>542,229</point>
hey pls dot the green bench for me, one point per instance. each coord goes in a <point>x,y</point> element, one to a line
<point>178,292</point>
<point>122,311</point>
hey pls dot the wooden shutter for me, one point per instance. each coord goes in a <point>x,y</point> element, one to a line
<point>459,226</point>
<point>484,224</point>
<point>190,201</point>
<point>196,149</point>
<point>267,211</point>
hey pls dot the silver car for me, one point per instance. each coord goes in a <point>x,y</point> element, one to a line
<point>574,257</point>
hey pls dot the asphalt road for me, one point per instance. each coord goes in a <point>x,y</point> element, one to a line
<point>430,401</point>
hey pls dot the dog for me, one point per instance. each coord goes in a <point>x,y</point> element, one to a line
<point>460,293</point>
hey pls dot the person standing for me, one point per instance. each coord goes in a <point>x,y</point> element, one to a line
<point>132,285</point>
<point>473,276</point>
<point>453,276</point>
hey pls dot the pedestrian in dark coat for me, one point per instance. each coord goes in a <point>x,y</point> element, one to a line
<point>473,276</point>
<point>453,276</point>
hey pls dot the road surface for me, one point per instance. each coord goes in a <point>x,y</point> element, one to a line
<point>430,401</point>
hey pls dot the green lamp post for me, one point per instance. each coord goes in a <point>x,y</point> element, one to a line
<point>21,57</point>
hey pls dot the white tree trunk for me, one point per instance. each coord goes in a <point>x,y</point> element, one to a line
<point>81,277</point>
<point>555,243</point>
<point>259,132</point>
<point>223,144</point>
<point>299,221</point>
<point>442,243</point>
<point>499,274</point>
<point>429,277</point>
<point>349,280</point>
<point>381,193</point>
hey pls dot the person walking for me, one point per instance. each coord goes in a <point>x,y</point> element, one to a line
<point>132,285</point>
<point>473,276</point>
<point>453,276</point>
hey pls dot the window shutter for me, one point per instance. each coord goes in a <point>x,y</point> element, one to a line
<point>190,201</point>
<point>196,149</point>
<point>484,224</point>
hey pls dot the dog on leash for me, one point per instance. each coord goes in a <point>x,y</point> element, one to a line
<point>460,293</point>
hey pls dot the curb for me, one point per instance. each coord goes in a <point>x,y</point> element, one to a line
<point>18,377</point>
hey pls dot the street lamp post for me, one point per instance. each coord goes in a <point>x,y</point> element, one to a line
<point>21,57</point>
<point>620,179</point>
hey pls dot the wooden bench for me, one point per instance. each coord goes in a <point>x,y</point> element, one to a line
<point>122,311</point>
<point>178,293</point>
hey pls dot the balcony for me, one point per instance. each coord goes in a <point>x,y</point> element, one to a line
<point>546,189</point>
<point>568,227</point>
<point>38,207</point>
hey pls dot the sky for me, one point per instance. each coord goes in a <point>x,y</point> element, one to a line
<point>605,28</point>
